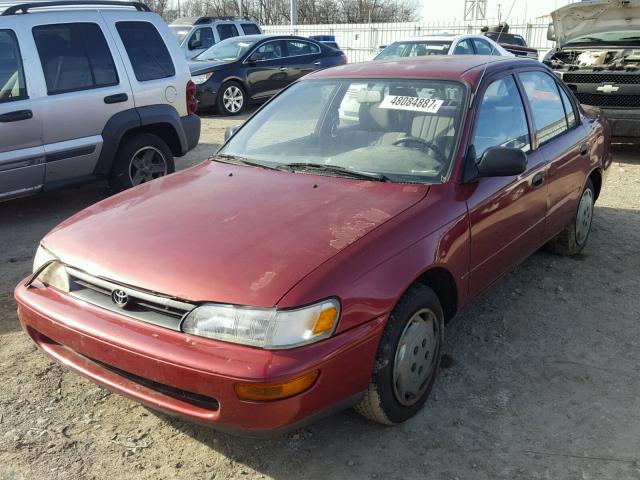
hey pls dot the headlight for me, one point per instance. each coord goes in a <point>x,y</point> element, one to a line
<point>55,274</point>
<point>264,327</point>
<point>200,79</point>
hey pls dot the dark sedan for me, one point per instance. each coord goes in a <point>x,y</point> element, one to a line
<point>251,69</point>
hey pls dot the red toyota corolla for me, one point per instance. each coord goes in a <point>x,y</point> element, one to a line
<point>312,264</point>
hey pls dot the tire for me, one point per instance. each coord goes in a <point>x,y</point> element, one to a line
<point>229,91</point>
<point>132,167</point>
<point>407,362</point>
<point>573,238</point>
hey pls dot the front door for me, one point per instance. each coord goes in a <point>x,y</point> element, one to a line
<point>506,214</point>
<point>267,71</point>
<point>21,151</point>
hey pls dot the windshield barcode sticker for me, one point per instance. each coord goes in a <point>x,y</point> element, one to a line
<point>414,104</point>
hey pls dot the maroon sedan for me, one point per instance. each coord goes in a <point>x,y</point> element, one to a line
<point>312,264</point>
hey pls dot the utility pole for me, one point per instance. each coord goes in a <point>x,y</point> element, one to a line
<point>499,12</point>
<point>294,12</point>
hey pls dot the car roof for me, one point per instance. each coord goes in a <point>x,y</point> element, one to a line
<point>439,37</point>
<point>445,67</point>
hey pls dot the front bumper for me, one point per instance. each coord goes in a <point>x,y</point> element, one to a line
<point>194,377</point>
<point>207,95</point>
<point>624,123</point>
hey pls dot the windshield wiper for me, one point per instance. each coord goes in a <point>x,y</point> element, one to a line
<point>237,160</point>
<point>322,167</point>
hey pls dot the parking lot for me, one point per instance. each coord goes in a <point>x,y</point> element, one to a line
<point>541,377</point>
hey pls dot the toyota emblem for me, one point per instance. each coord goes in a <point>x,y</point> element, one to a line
<point>120,298</point>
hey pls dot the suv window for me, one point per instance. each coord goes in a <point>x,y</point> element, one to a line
<point>482,47</point>
<point>463,48</point>
<point>147,52</point>
<point>502,121</point>
<point>201,38</point>
<point>227,30</point>
<point>568,108</point>
<point>546,105</point>
<point>297,47</point>
<point>250,29</point>
<point>74,56</point>
<point>12,84</point>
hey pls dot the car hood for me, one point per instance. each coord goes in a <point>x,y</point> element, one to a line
<point>588,18</point>
<point>226,233</point>
<point>197,67</point>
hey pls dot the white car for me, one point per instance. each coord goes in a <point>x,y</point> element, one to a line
<point>442,45</point>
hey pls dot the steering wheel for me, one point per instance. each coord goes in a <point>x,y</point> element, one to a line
<point>440,156</point>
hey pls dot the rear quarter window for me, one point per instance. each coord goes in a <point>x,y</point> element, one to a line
<point>147,52</point>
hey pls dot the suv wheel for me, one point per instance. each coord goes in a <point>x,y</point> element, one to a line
<point>140,159</point>
<point>231,99</point>
<point>407,360</point>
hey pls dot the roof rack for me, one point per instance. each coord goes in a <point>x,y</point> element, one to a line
<point>24,7</point>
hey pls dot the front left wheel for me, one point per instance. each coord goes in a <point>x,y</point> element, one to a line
<point>231,99</point>
<point>407,360</point>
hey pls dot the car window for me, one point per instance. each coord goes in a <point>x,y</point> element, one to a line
<point>203,36</point>
<point>415,49</point>
<point>502,121</point>
<point>12,82</point>
<point>464,48</point>
<point>74,56</point>
<point>147,52</point>
<point>297,47</point>
<point>405,129</point>
<point>250,29</point>
<point>268,51</point>
<point>546,105</point>
<point>227,30</point>
<point>482,47</point>
<point>568,108</point>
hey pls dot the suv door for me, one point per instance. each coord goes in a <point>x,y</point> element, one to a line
<point>85,84</point>
<point>302,58</point>
<point>199,40</point>
<point>563,142</point>
<point>506,214</point>
<point>21,150</point>
<point>267,72</point>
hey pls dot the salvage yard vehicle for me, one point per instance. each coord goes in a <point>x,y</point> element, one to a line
<point>598,56</point>
<point>196,34</point>
<point>90,90</point>
<point>319,261</point>
<point>511,42</point>
<point>442,45</point>
<point>251,69</point>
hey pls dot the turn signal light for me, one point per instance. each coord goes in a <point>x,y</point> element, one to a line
<point>276,391</point>
<point>325,320</point>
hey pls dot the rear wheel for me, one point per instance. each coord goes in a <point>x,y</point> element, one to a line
<point>407,360</point>
<point>140,159</point>
<point>574,237</point>
<point>231,99</point>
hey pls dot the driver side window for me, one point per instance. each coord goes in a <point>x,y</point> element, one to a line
<point>12,84</point>
<point>501,121</point>
<point>268,51</point>
<point>464,48</point>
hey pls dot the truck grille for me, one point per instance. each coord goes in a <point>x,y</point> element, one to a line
<point>613,101</point>
<point>631,79</point>
<point>141,305</point>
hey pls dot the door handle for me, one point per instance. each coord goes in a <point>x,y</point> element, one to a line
<point>283,69</point>
<point>538,180</point>
<point>317,63</point>
<point>16,116</point>
<point>117,98</point>
<point>584,149</point>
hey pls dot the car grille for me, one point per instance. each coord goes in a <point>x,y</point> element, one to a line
<point>614,101</point>
<point>601,78</point>
<point>141,305</point>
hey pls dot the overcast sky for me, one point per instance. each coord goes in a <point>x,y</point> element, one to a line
<point>447,10</point>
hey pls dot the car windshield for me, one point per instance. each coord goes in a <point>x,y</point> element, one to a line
<point>415,49</point>
<point>624,37</point>
<point>179,32</point>
<point>230,50</point>
<point>393,130</point>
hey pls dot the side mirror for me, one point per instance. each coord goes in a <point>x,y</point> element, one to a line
<point>495,162</point>
<point>551,32</point>
<point>194,44</point>
<point>229,131</point>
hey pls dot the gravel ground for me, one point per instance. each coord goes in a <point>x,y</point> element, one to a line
<point>542,378</point>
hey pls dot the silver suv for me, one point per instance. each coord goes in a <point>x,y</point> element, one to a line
<point>90,90</point>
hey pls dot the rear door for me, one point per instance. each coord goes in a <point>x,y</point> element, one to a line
<point>21,150</point>
<point>85,85</point>
<point>302,58</point>
<point>267,69</point>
